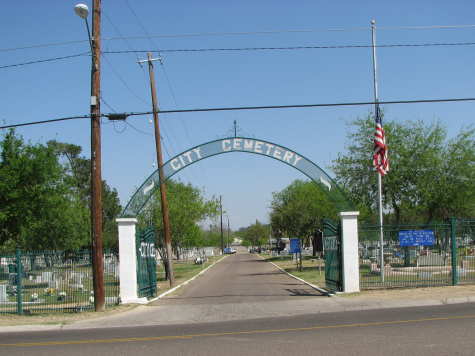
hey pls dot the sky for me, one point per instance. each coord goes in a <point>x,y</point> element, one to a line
<point>33,30</point>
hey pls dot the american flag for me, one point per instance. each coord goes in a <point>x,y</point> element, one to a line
<point>380,153</point>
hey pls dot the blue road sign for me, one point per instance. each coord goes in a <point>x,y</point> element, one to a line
<point>416,238</point>
<point>294,245</point>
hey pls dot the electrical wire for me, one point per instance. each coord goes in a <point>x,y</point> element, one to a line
<point>45,60</point>
<point>238,49</point>
<point>46,121</point>
<point>107,104</point>
<point>267,107</point>
<point>138,130</point>
<point>122,80</point>
<point>244,33</point>
<point>116,73</point>
<point>299,106</point>
<point>243,49</point>
<point>144,29</point>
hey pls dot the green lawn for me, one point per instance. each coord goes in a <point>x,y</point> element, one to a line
<point>313,270</point>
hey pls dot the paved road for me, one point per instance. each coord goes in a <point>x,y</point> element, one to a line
<point>241,278</point>
<point>441,330</point>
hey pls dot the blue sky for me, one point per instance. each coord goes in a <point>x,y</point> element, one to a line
<point>246,78</point>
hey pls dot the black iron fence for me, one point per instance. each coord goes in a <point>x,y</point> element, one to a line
<point>450,260</point>
<point>50,281</point>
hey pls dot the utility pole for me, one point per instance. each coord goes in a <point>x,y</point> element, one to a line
<point>228,231</point>
<point>163,189</point>
<point>222,237</point>
<point>96,179</point>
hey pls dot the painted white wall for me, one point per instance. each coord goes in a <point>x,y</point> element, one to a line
<point>128,262</point>
<point>349,239</point>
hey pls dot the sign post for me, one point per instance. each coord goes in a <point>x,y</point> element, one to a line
<point>297,250</point>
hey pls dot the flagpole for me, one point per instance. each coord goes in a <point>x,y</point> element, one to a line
<point>376,112</point>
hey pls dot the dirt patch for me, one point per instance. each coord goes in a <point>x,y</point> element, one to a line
<point>60,318</point>
<point>416,293</point>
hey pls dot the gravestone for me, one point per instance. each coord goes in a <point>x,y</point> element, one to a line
<point>76,280</point>
<point>3,293</point>
<point>12,279</point>
<point>431,260</point>
<point>46,276</point>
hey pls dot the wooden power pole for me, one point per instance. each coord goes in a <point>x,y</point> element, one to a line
<point>96,179</point>
<point>221,210</point>
<point>163,190</point>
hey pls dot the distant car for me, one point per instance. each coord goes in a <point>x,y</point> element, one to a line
<point>229,250</point>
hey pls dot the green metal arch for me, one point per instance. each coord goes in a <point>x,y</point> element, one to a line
<point>237,144</point>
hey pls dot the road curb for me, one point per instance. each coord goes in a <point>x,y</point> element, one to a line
<point>186,282</point>
<point>321,290</point>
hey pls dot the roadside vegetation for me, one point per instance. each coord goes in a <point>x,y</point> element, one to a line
<point>45,197</point>
<point>312,271</point>
<point>431,178</point>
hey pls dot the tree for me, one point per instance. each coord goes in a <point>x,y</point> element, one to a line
<point>256,234</point>
<point>37,209</point>
<point>430,177</point>
<point>78,175</point>
<point>187,207</point>
<point>297,210</point>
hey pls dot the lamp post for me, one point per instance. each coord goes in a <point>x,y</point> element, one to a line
<point>96,181</point>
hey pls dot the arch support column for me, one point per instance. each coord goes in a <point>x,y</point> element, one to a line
<point>349,251</point>
<point>128,261</point>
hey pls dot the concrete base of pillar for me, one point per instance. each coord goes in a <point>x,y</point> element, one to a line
<point>134,301</point>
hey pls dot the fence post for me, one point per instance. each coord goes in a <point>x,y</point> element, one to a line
<point>453,242</point>
<point>19,291</point>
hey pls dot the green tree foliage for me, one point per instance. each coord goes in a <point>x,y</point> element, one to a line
<point>256,234</point>
<point>37,209</point>
<point>430,178</point>
<point>187,207</point>
<point>297,210</point>
<point>78,174</point>
<point>45,197</point>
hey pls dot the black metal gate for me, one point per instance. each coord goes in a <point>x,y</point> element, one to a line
<point>332,253</point>
<point>146,262</point>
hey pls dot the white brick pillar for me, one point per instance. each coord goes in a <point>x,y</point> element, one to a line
<point>128,261</point>
<point>350,256</point>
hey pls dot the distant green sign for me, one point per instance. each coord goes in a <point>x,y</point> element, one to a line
<point>236,144</point>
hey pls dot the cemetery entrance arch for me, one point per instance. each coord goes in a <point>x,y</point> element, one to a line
<point>237,144</point>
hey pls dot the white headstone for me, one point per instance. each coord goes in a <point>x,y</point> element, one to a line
<point>76,280</point>
<point>47,277</point>
<point>3,293</point>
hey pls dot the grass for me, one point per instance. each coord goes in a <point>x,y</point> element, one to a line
<point>183,272</point>
<point>313,269</point>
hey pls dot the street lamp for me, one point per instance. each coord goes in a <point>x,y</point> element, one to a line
<point>96,181</point>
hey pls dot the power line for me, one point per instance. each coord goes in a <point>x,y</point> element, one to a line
<point>46,121</point>
<point>122,80</point>
<point>267,107</point>
<point>45,60</point>
<point>243,33</point>
<point>144,29</point>
<point>107,104</point>
<point>237,49</point>
<point>243,49</point>
<point>116,29</point>
<point>300,106</point>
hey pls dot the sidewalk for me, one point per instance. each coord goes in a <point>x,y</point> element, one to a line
<point>181,314</point>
